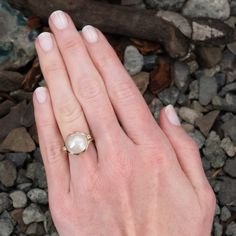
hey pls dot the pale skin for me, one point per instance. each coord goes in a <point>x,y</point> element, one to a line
<point>138,177</point>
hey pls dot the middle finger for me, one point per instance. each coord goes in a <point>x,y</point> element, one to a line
<point>87,83</point>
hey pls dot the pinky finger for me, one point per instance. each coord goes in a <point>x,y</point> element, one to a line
<point>51,143</point>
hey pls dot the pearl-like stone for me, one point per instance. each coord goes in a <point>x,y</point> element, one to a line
<point>76,143</point>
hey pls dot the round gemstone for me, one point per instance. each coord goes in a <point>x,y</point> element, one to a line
<point>76,143</point>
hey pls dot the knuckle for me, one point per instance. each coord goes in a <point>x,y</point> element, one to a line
<point>53,68</point>
<point>125,92</point>
<point>69,112</point>
<point>53,151</point>
<point>90,90</point>
<point>70,44</point>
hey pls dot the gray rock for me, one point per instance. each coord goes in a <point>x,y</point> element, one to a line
<point>225,214</point>
<point>36,172</point>
<point>228,61</point>
<point>231,229</point>
<point>24,187</point>
<point>225,104</point>
<point>169,96</point>
<point>230,167</point>
<point>217,9</point>
<point>181,75</point>
<point>220,79</point>
<point>37,195</point>
<point>165,4</point>
<point>17,158</point>
<point>227,193</point>
<point>228,131</point>
<point>5,202</point>
<point>183,100</point>
<point>32,214</point>
<point>6,227</point>
<point>228,147</point>
<point>7,173</point>
<point>206,164</point>
<point>189,115</point>
<point>155,106</point>
<point>218,229</point>
<point>207,89</point>
<point>194,89</point>
<point>209,56</point>
<point>215,155</point>
<point>21,178</point>
<point>227,116</point>
<point>213,139</point>
<point>16,39</point>
<point>133,60</point>
<point>229,88</point>
<point>35,229</point>
<point>198,138</point>
<point>19,199</point>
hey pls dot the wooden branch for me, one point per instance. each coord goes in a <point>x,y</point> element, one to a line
<point>137,23</point>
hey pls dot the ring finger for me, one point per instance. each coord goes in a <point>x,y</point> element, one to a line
<point>67,110</point>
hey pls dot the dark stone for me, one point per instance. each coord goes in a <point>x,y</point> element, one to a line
<point>5,107</point>
<point>5,202</point>
<point>206,122</point>
<point>207,89</point>
<point>18,140</point>
<point>230,167</point>
<point>17,158</point>
<point>229,129</point>
<point>10,81</point>
<point>35,171</point>
<point>209,56</point>
<point>169,96</point>
<point>7,173</point>
<point>181,75</point>
<point>227,193</point>
<point>12,120</point>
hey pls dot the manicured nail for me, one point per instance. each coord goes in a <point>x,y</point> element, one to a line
<point>45,41</point>
<point>90,34</point>
<point>41,94</point>
<point>59,19</point>
<point>171,115</point>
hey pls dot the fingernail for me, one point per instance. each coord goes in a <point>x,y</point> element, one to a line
<point>41,94</point>
<point>45,41</point>
<point>90,34</point>
<point>172,116</point>
<point>59,19</point>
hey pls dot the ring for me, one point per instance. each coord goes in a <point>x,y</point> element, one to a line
<point>77,142</point>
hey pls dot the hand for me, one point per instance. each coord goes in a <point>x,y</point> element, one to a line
<point>137,178</point>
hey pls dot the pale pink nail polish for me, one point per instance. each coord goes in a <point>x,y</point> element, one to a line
<point>59,19</point>
<point>41,94</point>
<point>45,41</point>
<point>172,116</point>
<point>90,34</point>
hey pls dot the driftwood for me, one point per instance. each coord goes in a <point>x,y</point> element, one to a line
<point>138,23</point>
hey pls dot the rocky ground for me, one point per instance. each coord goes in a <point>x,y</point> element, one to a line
<point>201,86</point>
